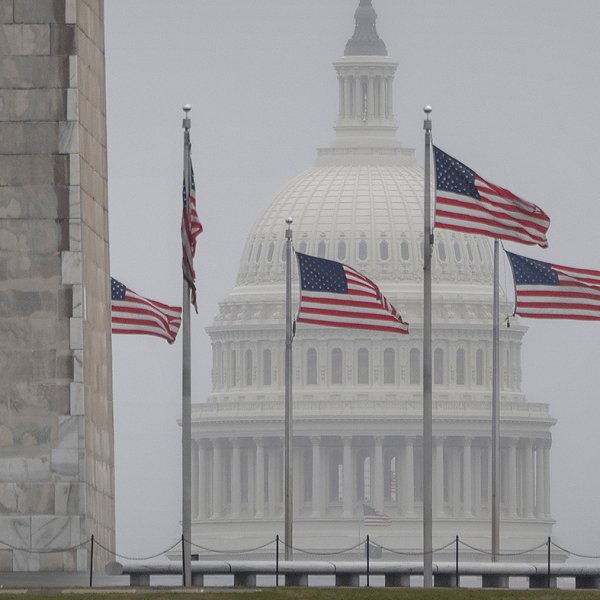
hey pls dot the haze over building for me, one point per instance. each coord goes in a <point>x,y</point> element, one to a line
<point>358,395</point>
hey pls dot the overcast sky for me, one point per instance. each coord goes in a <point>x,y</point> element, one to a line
<point>515,91</point>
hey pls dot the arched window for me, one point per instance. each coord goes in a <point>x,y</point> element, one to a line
<point>389,366</point>
<point>266,367</point>
<point>321,249</point>
<point>384,250</point>
<point>270,252</point>
<point>337,366</point>
<point>414,366</point>
<point>233,369</point>
<point>479,367</point>
<point>362,250</point>
<point>248,367</point>
<point>341,253</point>
<point>258,251</point>
<point>470,251</point>
<point>283,249</point>
<point>311,367</point>
<point>442,251</point>
<point>438,366</point>
<point>457,252</point>
<point>362,367</point>
<point>404,250</point>
<point>460,367</point>
<point>302,248</point>
<point>336,476</point>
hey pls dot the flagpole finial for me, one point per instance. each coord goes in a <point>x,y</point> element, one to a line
<point>187,108</point>
<point>289,222</point>
<point>427,110</point>
<point>187,123</point>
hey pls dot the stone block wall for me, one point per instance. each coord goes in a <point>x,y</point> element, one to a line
<point>56,422</point>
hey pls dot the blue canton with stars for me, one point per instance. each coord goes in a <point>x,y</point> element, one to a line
<point>321,275</point>
<point>527,271</point>
<point>452,176</point>
<point>117,289</point>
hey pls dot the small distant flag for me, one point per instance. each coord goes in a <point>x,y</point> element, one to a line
<point>466,202</point>
<point>549,291</point>
<point>337,295</point>
<point>132,314</point>
<point>375,518</point>
<point>191,228</point>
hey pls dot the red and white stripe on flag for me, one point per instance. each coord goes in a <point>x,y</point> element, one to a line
<point>191,228</point>
<point>336,295</point>
<point>468,203</point>
<point>134,314</point>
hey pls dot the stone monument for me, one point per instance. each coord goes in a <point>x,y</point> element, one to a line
<point>56,419</point>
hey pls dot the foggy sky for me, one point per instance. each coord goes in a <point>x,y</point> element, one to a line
<point>514,87</point>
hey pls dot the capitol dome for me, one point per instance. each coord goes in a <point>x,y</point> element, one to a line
<point>358,395</point>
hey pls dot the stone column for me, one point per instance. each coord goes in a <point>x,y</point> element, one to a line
<point>316,476</point>
<point>260,477</point>
<point>438,477</point>
<point>407,481</point>
<point>528,479</point>
<point>194,479</point>
<point>477,483</point>
<point>512,478</point>
<point>381,83</point>
<point>467,509</point>
<point>217,480</point>
<point>456,489</point>
<point>358,94</point>
<point>348,500</point>
<point>342,110</point>
<point>236,479</point>
<point>272,481</point>
<point>540,486</point>
<point>547,447</point>
<point>295,482</point>
<point>347,97</point>
<point>371,98</point>
<point>390,98</point>
<point>251,465</point>
<point>378,474</point>
<point>202,482</point>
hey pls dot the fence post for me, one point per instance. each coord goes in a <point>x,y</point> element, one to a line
<point>277,560</point>
<point>92,562</point>
<point>368,561</point>
<point>457,585</point>
<point>548,561</point>
<point>183,558</point>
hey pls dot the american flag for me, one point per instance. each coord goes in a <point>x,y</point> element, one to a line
<point>375,518</point>
<point>466,202</point>
<point>549,291</point>
<point>132,313</point>
<point>337,295</point>
<point>190,230</point>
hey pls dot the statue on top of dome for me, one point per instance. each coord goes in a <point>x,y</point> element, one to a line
<point>365,41</point>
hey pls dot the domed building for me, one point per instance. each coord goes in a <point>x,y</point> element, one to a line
<point>357,395</point>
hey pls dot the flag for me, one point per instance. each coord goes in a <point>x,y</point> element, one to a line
<point>466,202</point>
<point>549,291</point>
<point>375,518</point>
<point>190,230</point>
<point>337,295</point>
<point>132,313</point>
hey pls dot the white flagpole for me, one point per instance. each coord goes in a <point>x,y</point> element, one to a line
<point>186,388</point>
<point>496,408</point>
<point>288,393</point>
<point>427,388</point>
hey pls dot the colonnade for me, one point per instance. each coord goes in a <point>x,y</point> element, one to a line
<point>366,96</point>
<point>242,477</point>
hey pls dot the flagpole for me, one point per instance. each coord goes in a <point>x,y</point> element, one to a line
<point>496,408</point>
<point>186,388</point>
<point>288,392</point>
<point>427,389</point>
